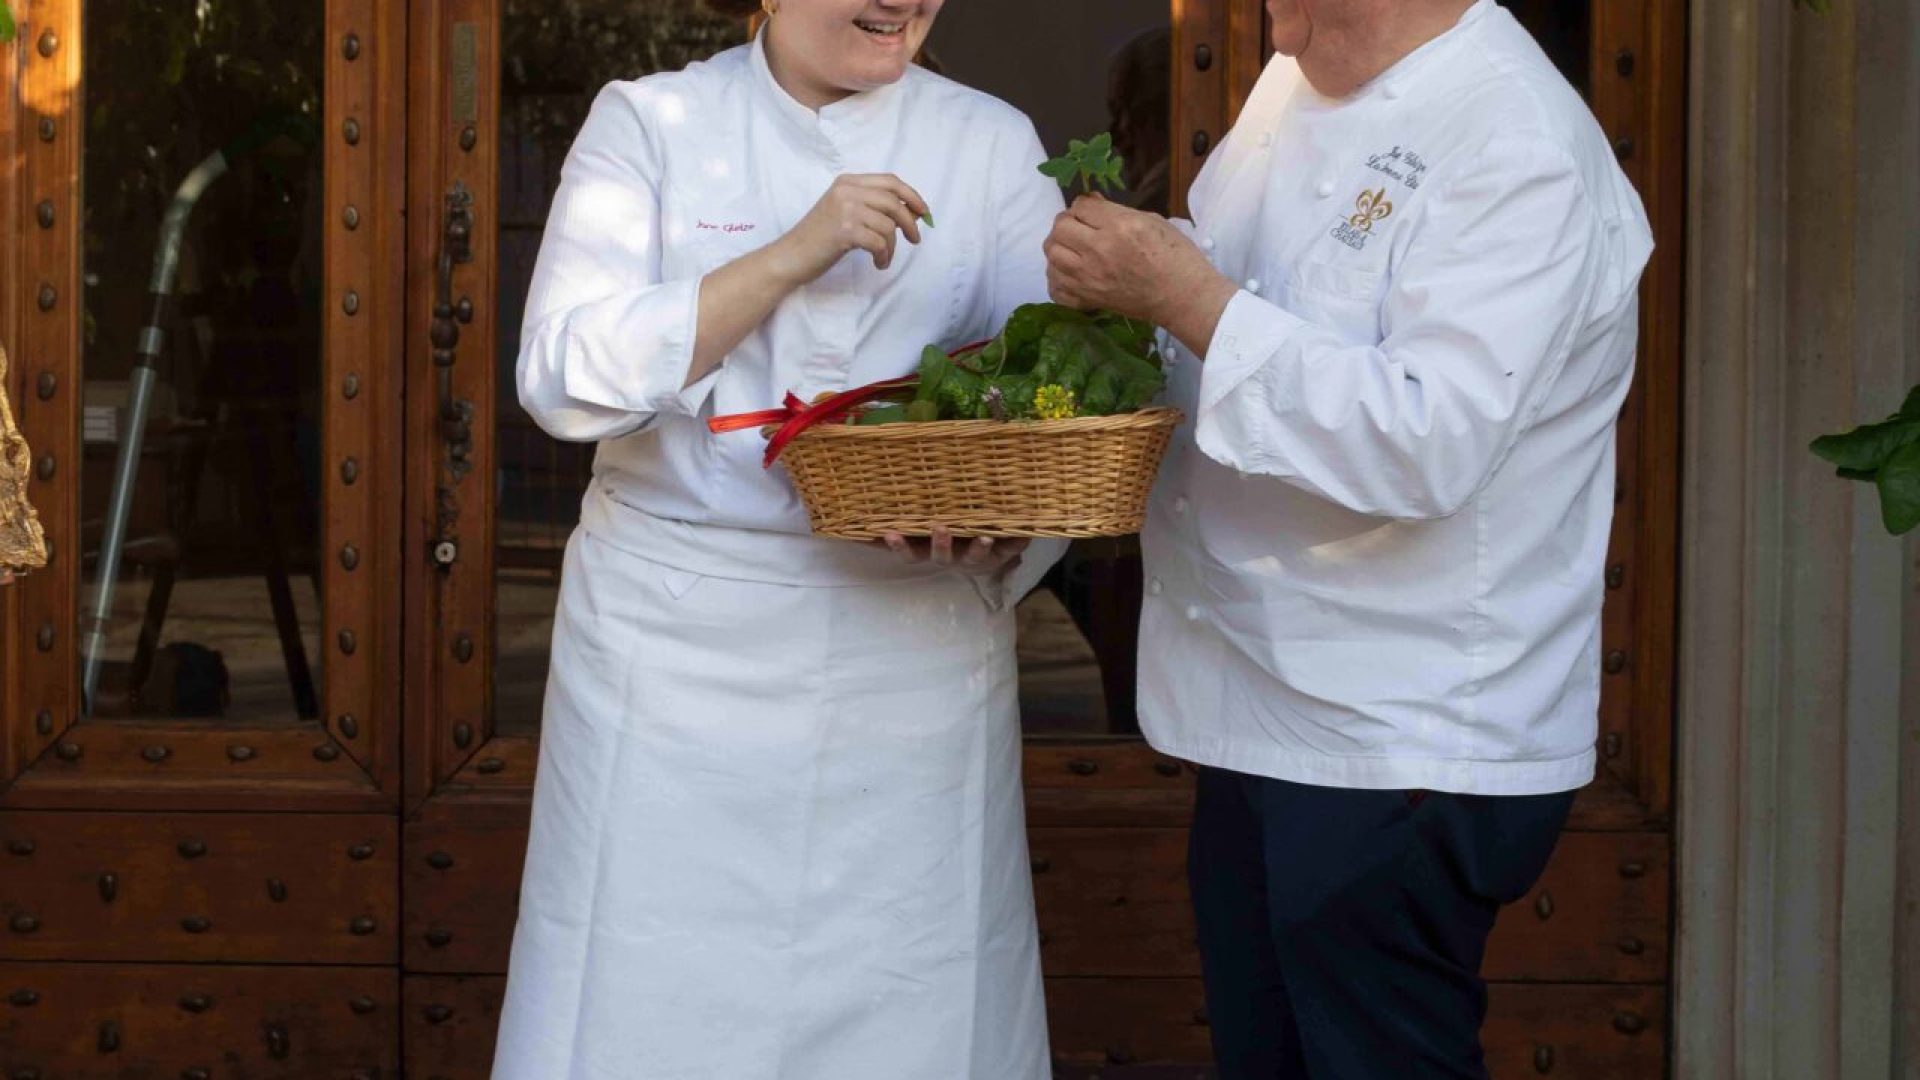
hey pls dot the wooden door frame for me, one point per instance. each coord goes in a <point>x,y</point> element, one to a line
<point>349,759</point>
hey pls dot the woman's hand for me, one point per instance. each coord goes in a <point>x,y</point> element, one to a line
<point>6,577</point>
<point>985,555</point>
<point>860,211</point>
<point>865,212</point>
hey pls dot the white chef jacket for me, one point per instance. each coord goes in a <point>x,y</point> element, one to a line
<point>673,176</point>
<point>1375,553</point>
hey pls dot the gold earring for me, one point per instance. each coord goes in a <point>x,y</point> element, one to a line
<point>771,7</point>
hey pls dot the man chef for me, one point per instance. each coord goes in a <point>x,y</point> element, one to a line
<point>1402,322</point>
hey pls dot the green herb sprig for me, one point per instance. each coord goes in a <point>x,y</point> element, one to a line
<point>1049,362</point>
<point>1092,162</point>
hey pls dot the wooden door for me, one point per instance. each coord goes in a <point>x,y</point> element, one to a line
<point>200,768</point>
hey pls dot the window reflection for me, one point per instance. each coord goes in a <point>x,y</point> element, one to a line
<point>202,135</point>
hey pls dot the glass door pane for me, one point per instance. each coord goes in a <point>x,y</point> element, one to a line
<point>556,58</point>
<point>200,479</point>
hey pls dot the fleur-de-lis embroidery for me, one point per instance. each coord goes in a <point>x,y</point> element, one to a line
<point>1373,206</point>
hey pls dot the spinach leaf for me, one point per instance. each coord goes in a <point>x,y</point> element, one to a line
<point>888,413</point>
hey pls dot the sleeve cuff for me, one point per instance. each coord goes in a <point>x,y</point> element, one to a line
<point>1249,332</point>
<point>633,353</point>
<point>1233,424</point>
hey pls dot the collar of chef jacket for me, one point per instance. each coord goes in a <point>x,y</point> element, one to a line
<point>1223,205</point>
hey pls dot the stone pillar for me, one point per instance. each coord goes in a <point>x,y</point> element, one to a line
<point>1799,724</point>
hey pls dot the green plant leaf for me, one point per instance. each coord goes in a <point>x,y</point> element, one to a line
<point>1912,405</point>
<point>7,30</point>
<point>1060,168</point>
<point>1869,447</point>
<point>1091,160</point>
<point>1900,491</point>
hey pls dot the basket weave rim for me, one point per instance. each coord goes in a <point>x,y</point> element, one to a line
<point>1156,416</point>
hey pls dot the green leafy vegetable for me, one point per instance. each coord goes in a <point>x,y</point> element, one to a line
<point>1886,454</point>
<point>1048,362</point>
<point>1092,162</point>
<point>6,23</point>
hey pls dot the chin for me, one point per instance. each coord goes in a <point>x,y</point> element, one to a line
<point>875,76</point>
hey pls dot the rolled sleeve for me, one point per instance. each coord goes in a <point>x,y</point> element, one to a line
<point>607,344</point>
<point>632,353</point>
<point>1230,424</point>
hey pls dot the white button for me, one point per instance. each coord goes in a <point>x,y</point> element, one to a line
<point>1154,587</point>
<point>1180,505</point>
<point>1253,284</point>
<point>1193,613</point>
<point>1266,139</point>
<point>1391,90</point>
<point>1325,190</point>
<point>1206,243</point>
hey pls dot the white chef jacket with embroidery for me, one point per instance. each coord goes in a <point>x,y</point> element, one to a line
<point>677,174</point>
<point>1375,553</point>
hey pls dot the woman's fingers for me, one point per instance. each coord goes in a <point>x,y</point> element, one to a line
<point>896,211</point>
<point>876,238</point>
<point>942,546</point>
<point>903,547</point>
<point>900,190</point>
<point>979,552</point>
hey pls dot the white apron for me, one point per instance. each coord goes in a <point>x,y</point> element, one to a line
<point>777,833</point>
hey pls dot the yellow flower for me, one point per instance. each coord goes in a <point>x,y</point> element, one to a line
<point>1053,402</point>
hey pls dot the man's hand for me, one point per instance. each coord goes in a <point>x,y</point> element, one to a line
<point>1102,255</point>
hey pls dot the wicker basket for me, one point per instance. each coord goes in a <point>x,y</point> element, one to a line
<point>1087,476</point>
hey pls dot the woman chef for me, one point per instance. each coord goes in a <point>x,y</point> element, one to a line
<point>777,824</point>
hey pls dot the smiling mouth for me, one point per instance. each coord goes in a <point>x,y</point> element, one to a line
<point>880,29</point>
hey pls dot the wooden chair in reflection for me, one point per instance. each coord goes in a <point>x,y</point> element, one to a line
<point>254,437</point>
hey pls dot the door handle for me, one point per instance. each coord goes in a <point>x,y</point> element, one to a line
<point>455,418</point>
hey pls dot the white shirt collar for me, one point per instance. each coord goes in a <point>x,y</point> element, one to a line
<point>1398,79</point>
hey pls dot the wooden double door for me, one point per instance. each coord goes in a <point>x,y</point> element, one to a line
<point>270,717</point>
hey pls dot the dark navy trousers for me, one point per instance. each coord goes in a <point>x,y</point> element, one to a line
<point>1341,930</point>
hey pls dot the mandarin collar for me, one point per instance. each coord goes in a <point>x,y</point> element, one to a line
<point>1398,79</point>
<point>827,126</point>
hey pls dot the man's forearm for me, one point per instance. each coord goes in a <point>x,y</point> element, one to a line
<point>1191,310</point>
